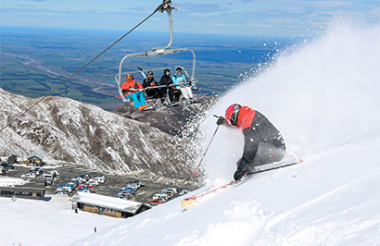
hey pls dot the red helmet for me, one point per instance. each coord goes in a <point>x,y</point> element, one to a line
<point>232,113</point>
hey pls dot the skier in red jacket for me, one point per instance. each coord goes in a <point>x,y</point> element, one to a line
<point>134,90</point>
<point>263,143</point>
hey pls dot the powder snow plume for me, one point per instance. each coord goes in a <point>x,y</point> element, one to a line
<point>322,94</point>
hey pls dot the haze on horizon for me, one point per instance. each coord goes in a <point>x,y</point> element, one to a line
<point>242,17</point>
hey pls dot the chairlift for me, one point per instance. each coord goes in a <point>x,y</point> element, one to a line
<point>160,51</point>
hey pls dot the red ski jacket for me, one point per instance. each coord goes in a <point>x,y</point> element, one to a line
<point>131,86</point>
<point>245,117</point>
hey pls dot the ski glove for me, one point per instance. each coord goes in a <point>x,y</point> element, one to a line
<point>221,121</point>
<point>238,175</point>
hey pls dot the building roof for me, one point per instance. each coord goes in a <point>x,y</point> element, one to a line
<point>36,155</point>
<point>107,202</point>
<point>21,184</point>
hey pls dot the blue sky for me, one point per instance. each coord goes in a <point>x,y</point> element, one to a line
<point>238,17</point>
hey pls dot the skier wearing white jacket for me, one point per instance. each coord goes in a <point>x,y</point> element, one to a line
<point>178,78</point>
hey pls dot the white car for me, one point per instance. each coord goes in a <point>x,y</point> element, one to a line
<point>102,179</point>
<point>47,175</point>
<point>55,173</point>
<point>37,173</point>
<point>133,186</point>
<point>170,193</point>
<point>79,180</point>
<point>28,175</point>
<point>66,188</point>
<point>183,192</point>
<point>38,169</point>
<point>175,190</point>
<point>92,182</point>
<point>160,195</point>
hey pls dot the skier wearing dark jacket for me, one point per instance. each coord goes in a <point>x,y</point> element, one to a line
<point>167,80</point>
<point>150,83</point>
<point>263,143</point>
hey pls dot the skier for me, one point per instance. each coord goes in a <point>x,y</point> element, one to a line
<point>178,78</point>
<point>263,143</point>
<point>150,83</point>
<point>135,91</point>
<point>173,92</point>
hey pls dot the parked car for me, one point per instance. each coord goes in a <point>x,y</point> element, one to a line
<point>7,166</point>
<point>85,185</point>
<point>78,180</point>
<point>72,184</point>
<point>62,191</point>
<point>48,181</point>
<point>133,186</point>
<point>183,192</point>
<point>170,193</point>
<point>85,176</point>
<point>131,190</point>
<point>68,188</point>
<point>93,182</point>
<point>47,175</point>
<point>55,173</point>
<point>102,178</point>
<point>124,195</point>
<point>157,201</point>
<point>175,190</point>
<point>160,195</point>
<point>139,183</point>
<point>38,169</point>
<point>48,178</point>
<point>84,189</point>
<point>29,175</point>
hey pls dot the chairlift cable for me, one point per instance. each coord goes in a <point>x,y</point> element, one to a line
<point>162,7</point>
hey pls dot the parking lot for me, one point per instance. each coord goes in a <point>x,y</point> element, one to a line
<point>115,181</point>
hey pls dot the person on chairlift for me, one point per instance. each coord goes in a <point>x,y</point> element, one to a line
<point>134,90</point>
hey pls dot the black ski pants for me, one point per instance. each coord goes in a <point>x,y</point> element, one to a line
<point>263,144</point>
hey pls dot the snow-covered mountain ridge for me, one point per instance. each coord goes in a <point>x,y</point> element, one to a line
<point>67,130</point>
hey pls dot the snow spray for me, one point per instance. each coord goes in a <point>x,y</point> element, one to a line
<point>322,94</point>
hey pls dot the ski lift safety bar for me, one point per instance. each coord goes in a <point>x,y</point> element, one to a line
<point>157,52</point>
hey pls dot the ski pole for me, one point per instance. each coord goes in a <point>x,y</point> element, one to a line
<point>142,72</point>
<point>195,171</point>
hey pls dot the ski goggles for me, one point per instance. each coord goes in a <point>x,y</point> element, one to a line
<point>129,76</point>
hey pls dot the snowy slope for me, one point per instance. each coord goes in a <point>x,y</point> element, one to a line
<point>300,205</point>
<point>36,223</point>
<point>324,97</point>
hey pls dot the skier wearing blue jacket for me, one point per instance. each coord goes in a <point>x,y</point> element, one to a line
<point>179,79</point>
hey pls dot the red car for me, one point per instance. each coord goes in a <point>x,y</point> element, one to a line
<point>85,185</point>
<point>157,201</point>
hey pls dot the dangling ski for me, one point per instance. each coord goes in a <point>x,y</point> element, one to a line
<point>193,201</point>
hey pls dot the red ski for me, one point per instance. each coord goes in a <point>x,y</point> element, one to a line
<point>192,201</point>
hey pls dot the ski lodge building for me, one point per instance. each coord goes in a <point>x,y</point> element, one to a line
<point>106,205</point>
<point>33,188</point>
<point>35,160</point>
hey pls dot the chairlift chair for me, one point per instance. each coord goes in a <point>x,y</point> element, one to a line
<point>159,52</point>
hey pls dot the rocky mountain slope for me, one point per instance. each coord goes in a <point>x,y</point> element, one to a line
<point>182,120</point>
<point>67,130</point>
